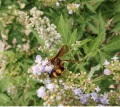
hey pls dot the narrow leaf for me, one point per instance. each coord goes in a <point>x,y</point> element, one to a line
<point>90,7</point>
<point>4,84</point>
<point>113,45</point>
<point>63,29</point>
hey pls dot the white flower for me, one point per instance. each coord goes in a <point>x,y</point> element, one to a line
<point>94,96</point>
<point>47,81</point>
<point>12,89</point>
<point>33,10</point>
<point>97,89</point>
<point>41,92</point>
<point>57,4</point>
<point>50,86</point>
<point>44,63</point>
<point>38,59</point>
<point>72,8</point>
<point>22,5</point>
<point>58,98</point>
<point>45,29</point>
<point>37,69</point>
<point>104,100</point>
<point>48,68</point>
<point>70,11</point>
<point>106,62</point>
<point>77,91</point>
<point>115,58</point>
<point>107,72</point>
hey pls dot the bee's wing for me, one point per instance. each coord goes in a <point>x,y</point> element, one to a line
<point>62,51</point>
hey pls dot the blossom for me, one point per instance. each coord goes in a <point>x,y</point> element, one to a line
<point>12,89</point>
<point>57,4</point>
<point>37,69</point>
<point>115,58</point>
<point>50,86</point>
<point>44,28</point>
<point>97,89</point>
<point>48,69</point>
<point>44,62</point>
<point>107,72</point>
<point>104,100</point>
<point>47,80</point>
<point>41,92</point>
<point>84,99</point>
<point>58,98</point>
<point>72,7</point>
<point>38,59</point>
<point>106,62</point>
<point>77,91</point>
<point>94,96</point>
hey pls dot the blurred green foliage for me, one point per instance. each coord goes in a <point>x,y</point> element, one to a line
<point>95,25</point>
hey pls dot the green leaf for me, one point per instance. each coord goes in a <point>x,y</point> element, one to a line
<point>102,57</point>
<point>40,40</point>
<point>96,43</point>
<point>4,84</point>
<point>63,29</point>
<point>84,41</point>
<point>116,18</point>
<point>4,98</point>
<point>92,27</point>
<point>28,61</point>
<point>24,1</point>
<point>113,45</point>
<point>86,48</point>
<point>117,6</point>
<point>30,93</point>
<point>2,28</point>
<point>92,71</point>
<point>73,37</point>
<point>97,26</point>
<point>98,78</point>
<point>90,7</point>
<point>116,28</point>
<point>102,29</point>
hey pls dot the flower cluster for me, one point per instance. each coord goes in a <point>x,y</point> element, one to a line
<point>43,27</point>
<point>73,7</point>
<point>22,5</point>
<point>75,45</point>
<point>42,67</point>
<point>73,89</point>
<point>113,68</point>
<point>12,89</point>
<point>114,97</point>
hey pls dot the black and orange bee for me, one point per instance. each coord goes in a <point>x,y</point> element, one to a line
<point>58,63</point>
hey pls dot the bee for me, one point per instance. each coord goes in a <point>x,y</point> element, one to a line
<point>58,63</point>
